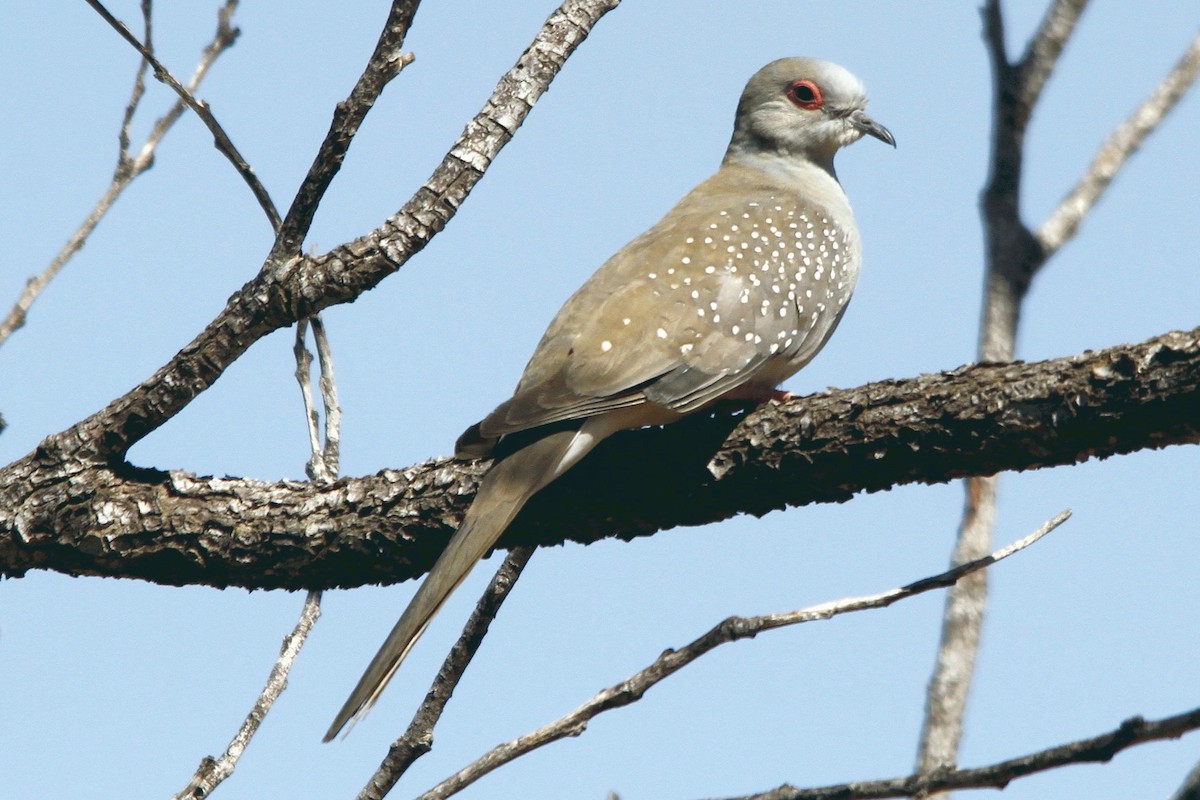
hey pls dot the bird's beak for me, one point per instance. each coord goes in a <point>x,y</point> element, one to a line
<point>864,123</point>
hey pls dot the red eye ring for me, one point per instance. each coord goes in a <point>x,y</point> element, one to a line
<point>805,94</point>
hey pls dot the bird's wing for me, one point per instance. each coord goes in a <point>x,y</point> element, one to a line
<point>702,304</point>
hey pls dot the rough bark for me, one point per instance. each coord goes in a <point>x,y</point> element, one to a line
<point>291,287</point>
<point>60,510</point>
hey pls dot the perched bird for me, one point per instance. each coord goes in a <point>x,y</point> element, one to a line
<point>734,290</point>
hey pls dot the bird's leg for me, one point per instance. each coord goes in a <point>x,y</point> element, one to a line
<point>759,394</point>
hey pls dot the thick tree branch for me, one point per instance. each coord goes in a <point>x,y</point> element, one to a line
<point>286,291</point>
<point>173,528</point>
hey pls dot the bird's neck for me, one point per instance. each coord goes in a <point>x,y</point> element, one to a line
<point>801,176</point>
<point>746,145</point>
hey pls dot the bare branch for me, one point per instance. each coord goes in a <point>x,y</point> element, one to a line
<point>1020,84</point>
<point>1013,257</point>
<point>1190,790</point>
<point>418,739</point>
<point>732,629</point>
<point>1011,254</point>
<point>221,139</point>
<point>303,375</point>
<point>1042,52</point>
<point>331,452</point>
<point>1063,222</point>
<point>128,168</point>
<point>322,466</point>
<point>224,38</point>
<point>1098,749</point>
<point>212,771</point>
<point>139,87</point>
<point>288,290</point>
<point>993,35</point>
<point>385,63</point>
<point>962,622</point>
<point>174,528</point>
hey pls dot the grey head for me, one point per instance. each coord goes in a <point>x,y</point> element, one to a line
<point>802,108</point>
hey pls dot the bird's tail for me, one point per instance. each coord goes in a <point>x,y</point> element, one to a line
<point>503,492</point>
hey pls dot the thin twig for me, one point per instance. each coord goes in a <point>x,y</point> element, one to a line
<point>139,86</point>
<point>1097,749</point>
<point>331,452</point>
<point>418,739</point>
<point>212,771</point>
<point>1062,223</point>
<point>128,168</point>
<point>221,139</point>
<point>323,464</point>
<point>730,630</point>
<point>385,63</point>
<point>315,469</point>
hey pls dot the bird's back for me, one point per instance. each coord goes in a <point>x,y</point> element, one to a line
<point>734,289</point>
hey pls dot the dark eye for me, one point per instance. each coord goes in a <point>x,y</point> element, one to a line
<point>805,94</point>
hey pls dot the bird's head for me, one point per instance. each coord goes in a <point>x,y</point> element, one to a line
<point>804,108</point>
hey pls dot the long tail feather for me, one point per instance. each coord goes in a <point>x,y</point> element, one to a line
<point>502,494</point>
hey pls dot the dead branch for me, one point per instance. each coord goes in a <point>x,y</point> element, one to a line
<point>128,168</point>
<point>729,630</point>
<point>1097,749</point>
<point>418,739</point>
<point>1062,223</point>
<point>221,140</point>
<point>289,289</point>
<point>212,771</point>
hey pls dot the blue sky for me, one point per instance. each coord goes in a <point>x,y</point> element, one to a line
<point>117,688</point>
